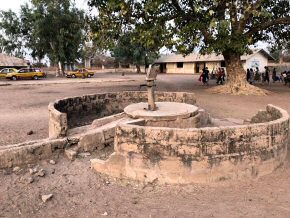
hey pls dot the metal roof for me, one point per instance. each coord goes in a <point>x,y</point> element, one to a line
<point>9,61</point>
<point>195,57</point>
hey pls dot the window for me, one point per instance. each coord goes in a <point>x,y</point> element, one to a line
<point>179,64</point>
<point>23,70</point>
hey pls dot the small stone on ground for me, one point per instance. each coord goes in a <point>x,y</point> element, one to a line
<point>70,154</point>
<point>52,162</point>
<point>16,169</point>
<point>45,198</point>
<point>30,132</point>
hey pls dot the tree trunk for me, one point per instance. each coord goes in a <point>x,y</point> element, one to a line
<point>281,57</point>
<point>59,69</point>
<point>236,76</point>
<point>138,69</point>
<point>236,73</point>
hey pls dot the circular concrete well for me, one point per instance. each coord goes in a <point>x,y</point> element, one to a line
<point>178,144</point>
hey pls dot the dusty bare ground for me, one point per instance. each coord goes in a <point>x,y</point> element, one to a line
<point>78,192</point>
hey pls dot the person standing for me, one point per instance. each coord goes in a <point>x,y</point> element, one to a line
<point>257,75</point>
<point>267,77</point>
<point>284,77</point>
<point>287,78</point>
<point>205,76</point>
<point>219,80</point>
<point>274,75</point>
<point>248,75</point>
<point>223,74</point>
<point>252,76</point>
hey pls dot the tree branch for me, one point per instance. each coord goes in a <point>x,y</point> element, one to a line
<point>263,26</point>
<point>248,13</point>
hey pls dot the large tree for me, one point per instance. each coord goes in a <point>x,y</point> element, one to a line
<point>52,28</point>
<point>11,42</point>
<point>227,27</point>
<point>127,50</point>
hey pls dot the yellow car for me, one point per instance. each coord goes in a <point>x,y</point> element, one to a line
<point>26,73</point>
<point>4,72</point>
<point>82,73</point>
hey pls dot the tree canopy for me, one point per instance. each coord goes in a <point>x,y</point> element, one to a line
<point>10,34</point>
<point>129,51</point>
<point>223,26</point>
<point>52,28</point>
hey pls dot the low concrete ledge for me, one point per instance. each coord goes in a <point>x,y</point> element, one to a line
<point>89,140</point>
<point>199,154</point>
<point>30,152</point>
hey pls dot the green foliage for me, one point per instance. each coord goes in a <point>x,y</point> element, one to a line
<point>128,51</point>
<point>222,26</point>
<point>10,34</point>
<point>53,28</point>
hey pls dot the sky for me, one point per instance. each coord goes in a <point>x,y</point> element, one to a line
<point>14,5</point>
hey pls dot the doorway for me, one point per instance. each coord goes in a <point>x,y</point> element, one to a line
<point>163,68</point>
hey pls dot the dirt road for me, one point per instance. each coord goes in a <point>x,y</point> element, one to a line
<point>78,192</point>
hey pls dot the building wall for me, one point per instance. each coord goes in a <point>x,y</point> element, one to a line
<point>188,68</point>
<point>258,60</point>
<point>214,65</point>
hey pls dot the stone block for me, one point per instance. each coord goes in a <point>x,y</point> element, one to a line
<point>91,141</point>
<point>70,154</point>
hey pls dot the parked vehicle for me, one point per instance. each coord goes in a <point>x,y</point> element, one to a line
<point>4,72</point>
<point>81,73</point>
<point>26,73</point>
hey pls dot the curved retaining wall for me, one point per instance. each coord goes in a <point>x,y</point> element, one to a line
<point>200,155</point>
<point>67,113</point>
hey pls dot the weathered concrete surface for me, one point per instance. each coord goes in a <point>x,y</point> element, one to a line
<point>198,155</point>
<point>82,139</point>
<point>30,152</point>
<point>164,111</point>
<point>169,114</point>
<point>57,122</point>
<point>67,113</point>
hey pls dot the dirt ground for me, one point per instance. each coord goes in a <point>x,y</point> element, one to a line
<point>79,192</point>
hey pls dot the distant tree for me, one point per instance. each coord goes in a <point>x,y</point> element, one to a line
<point>52,28</point>
<point>129,51</point>
<point>278,50</point>
<point>274,53</point>
<point>10,34</point>
<point>223,26</point>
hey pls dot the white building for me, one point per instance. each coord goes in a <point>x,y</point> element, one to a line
<point>194,63</point>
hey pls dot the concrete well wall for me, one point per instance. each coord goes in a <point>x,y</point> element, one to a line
<point>71,112</point>
<point>199,155</point>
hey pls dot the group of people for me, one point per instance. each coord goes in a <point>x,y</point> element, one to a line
<point>254,75</point>
<point>219,75</point>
